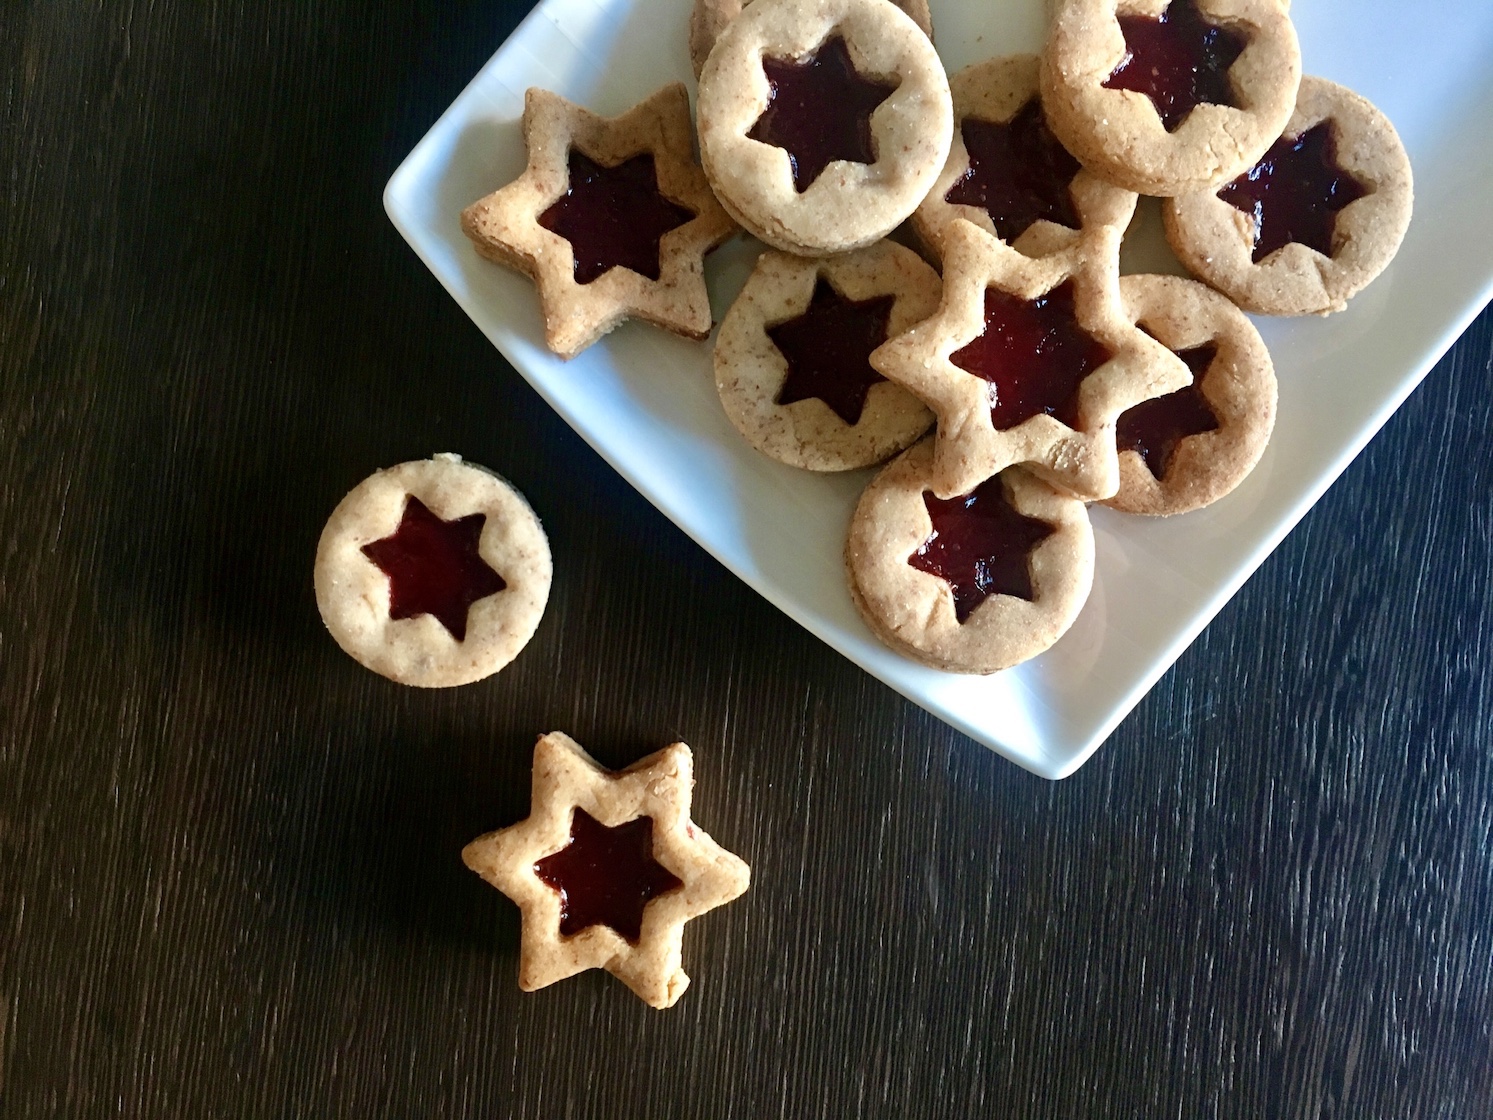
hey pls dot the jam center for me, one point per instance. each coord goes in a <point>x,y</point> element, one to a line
<point>828,349</point>
<point>979,546</point>
<point>1034,355</point>
<point>1156,427</point>
<point>819,110</point>
<point>1018,173</point>
<point>606,876</point>
<point>1179,60</point>
<point>1295,192</point>
<point>613,217</point>
<point>434,567</point>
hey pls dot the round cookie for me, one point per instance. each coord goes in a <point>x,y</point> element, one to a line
<point>1341,180</point>
<point>1006,171</point>
<point>801,332</point>
<point>1006,606</point>
<point>1189,448</point>
<point>433,573</point>
<point>1097,50</point>
<point>857,93</point>
<point>708,18</point>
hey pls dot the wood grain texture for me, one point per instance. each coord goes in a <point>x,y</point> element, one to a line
<point>229,880</point>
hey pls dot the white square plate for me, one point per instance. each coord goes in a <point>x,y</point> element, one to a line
<point>646,400</point>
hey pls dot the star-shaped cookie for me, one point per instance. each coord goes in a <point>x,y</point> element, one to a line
<point>637,174</point>
<point>1006,318</point>
<point>578,803</point>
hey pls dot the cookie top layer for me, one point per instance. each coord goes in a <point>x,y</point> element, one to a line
<point>792,356</point>
<point>589,832</point>
<point>433,573</point>
<point>1319,217</point>
<point>612,218</point>
<point>708,18</point>
<point>892,107</point>
<point>1150,144</point>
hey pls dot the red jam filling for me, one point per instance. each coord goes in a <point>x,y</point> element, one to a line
<point>1034,354</point>
<point>1018,173</point>
<point>613,217</point>
<point>434,567</point>
<point>606,876</point>
<point>979,546</point>
<point>1155,428</point>
<point>819,110</point>
<point>1295,192</point>
<point>828,349</point>
<point>1179,60</point>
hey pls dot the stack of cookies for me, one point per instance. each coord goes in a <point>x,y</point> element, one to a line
<point>944,253</point>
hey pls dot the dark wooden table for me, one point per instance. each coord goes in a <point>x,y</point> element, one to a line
<point>229,882</point>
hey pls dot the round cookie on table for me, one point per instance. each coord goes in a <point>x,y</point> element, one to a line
<point>1169,96</point>
<point>1317,218</point>
<point>792,356</point>
<point>433,573</point>
<point>1008,174</point>
<point>822,122</point>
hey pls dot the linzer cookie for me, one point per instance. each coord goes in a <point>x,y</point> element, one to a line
<point>607,868</point>
<point>1006,171</point>
<point>792,356</point>
<point>433,573</point>
<point>612,218</point>
<point>973,583</point>
<point>1165,98</point>
<point>1029,361</point>
<point>1188,448</point>
<point>1314,221</point>
<point>822,122</point>
<point>708,18</point>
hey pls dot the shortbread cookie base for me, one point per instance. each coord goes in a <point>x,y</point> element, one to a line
<point>1216,240</point>
<point>708,18</point>
<point>353,593</point>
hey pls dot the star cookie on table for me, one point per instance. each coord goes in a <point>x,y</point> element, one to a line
<point>612,218</point>
<point>1029,361</point>
<point>607,868</point>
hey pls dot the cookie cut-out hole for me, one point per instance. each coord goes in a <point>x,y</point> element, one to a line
<point>819,110</point>
<point>979,545</point>
<point>606,876</point>
<point>1018,173</point>
<point>828,348</point>
<point>1180,60</point>
<point>1034,354</point>
<point>1155,428</point>
<point>1295,192</point>
<point>613,217</point>
<point>434,567</point>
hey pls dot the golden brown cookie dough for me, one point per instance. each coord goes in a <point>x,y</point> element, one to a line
<point>708,18</point>
<point>1079,285</point>
<point>753,375</point>
<point>582,814</point>
<point>1204,439</point>
<point>1119,134</point>
<point>508,226</point>
<point>848,204</point>
<point>455,638</point>
<point>917,613</point>
<point>1217,240</point>
<point>1001,94</point>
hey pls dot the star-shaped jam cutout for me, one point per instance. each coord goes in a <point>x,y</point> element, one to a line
<point>828,347</point>
<point>1295,192</point>
<point>1179,60</point>
<point>1018,173</point>
<point>979,546</point>
<point>434,566</point>
<point>1156,427</point>
<point>1034,354</point>
<point>819,110</point>
<point>606,876</point>
<point>613,217</point>
<point>607,868</point>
